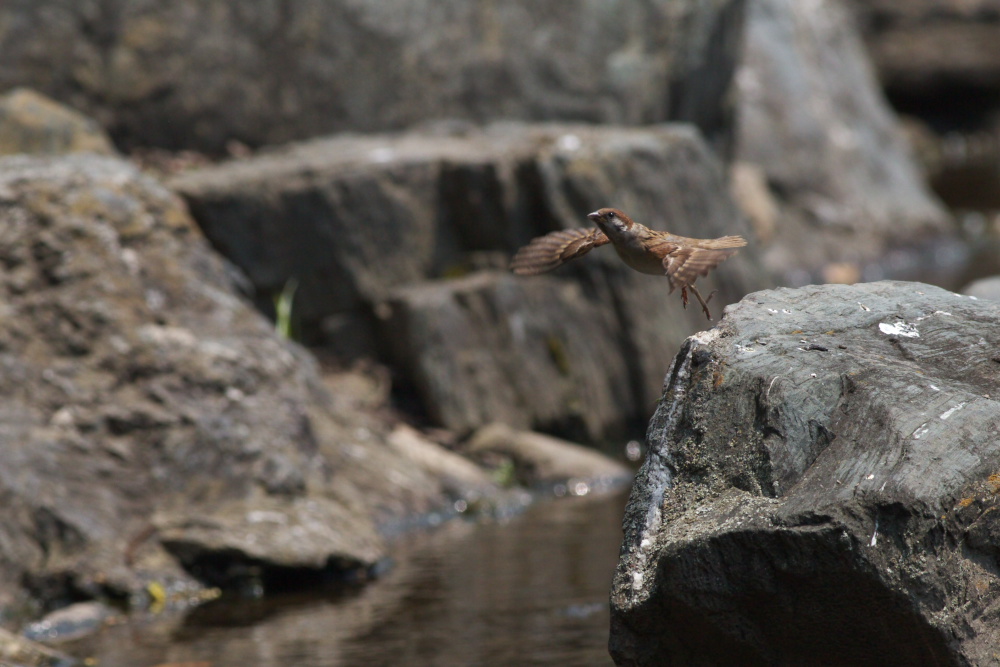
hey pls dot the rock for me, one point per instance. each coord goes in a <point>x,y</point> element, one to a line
<point>459,478</point>
<point>362,223</point>
<point>541,460</point>
<point>18,651</point>
<point>494,347</point>
<point>924,49</point>
<point>812,117</point>
<point>821,481</point>
<point>749,189</point>
<point>984,288</point>
<point>706,45</point>
<point>152,421</point>
<point>265,532</point>
<point>164,73</point>
<point>938,63</point>
<point>71,622</point>
<point>32,123</point>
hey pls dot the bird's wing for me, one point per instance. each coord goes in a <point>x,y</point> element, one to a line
<point>684,263</point>
<point>551,251</point>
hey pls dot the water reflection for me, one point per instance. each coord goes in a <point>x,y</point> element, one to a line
<point>532,590</point>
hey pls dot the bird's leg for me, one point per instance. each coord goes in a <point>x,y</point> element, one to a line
<point>703,302</point>
<point>684,297</point>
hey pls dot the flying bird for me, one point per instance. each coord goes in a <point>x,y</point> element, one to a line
<point>680,259</point>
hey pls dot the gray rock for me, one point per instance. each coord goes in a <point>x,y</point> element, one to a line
<point>494,347</point>
<point>199,74</point>
<point>821,481</point>
<point>928,48</point>
<point>706,46</point>
<point>534,353</point>
<point>984,288</point>
<point>18,651</point>
<point>300,533</point>
<point>363,222</point>
<point>352,217</point>
<point>812,117</point>
<point>152,420</point>
<point>71,622</point>
<point>32,123</point>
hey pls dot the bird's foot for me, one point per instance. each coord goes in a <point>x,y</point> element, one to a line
<point>702,301</point>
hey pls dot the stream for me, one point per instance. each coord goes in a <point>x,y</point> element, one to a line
<point>530,590</point>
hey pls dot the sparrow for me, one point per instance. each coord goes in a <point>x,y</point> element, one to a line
<point>646,250</point>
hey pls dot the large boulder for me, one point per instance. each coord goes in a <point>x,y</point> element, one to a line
<point>153,427</point>
<point>181,74</point>
<point>376,230</point>
<point>821,486</point>
<point>813,123</point>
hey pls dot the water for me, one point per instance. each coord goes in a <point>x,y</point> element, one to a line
<point>530,591</point>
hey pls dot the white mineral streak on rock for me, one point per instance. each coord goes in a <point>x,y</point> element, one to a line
<point>899,329</point>
<point>950,412</point>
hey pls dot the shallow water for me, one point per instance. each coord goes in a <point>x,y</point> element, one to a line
<point>532,590</point>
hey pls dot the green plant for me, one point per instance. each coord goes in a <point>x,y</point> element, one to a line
<point>283,309</point>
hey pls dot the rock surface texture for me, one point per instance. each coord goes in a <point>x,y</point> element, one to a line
<point>181,74</point>
<point>822,487</point>
<point>153,427</point>
<point>387,234</point>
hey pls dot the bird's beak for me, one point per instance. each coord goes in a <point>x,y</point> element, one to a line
<point>594,216</point>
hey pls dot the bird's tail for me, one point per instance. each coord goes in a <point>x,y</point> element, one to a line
<point>728,242</point>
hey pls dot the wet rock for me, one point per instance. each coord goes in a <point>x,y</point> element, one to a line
<point>163,73</point>
<point>363,223</point>
<point>69,623</point>
<point>821,481</point>
<point>151,420</point>
<point>541,460</point>
<point>32,123</point>
<point>19,651</point>
<point>811,116</point>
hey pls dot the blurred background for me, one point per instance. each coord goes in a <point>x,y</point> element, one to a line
<point>366,168</point>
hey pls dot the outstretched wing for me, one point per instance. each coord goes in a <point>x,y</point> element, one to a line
<point>685,263</point>
<point>551,251</point>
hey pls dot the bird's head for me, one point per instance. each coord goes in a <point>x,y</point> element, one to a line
<point>611,220</point>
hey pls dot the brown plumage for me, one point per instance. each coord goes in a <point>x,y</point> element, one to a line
<point>680,259</point>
